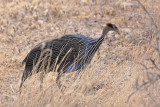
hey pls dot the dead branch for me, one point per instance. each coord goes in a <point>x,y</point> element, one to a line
<point>151,78</point>
<point>138,88</point>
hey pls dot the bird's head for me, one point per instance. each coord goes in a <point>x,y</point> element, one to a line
<point>112,27</point>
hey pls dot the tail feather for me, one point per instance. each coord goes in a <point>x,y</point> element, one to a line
<point>26,74</point>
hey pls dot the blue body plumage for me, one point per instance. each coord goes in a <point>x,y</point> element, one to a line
<point>86,46</point>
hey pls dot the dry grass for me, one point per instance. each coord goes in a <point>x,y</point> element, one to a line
<point>124,72</point>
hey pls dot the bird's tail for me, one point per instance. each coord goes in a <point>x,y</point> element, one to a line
<point>22,81</point>
<point>25,75</point>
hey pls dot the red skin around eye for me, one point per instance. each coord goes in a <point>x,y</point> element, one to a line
<point>109,24</point>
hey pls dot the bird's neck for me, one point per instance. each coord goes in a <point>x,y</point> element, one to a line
<point>96,44</point>
<point>99,41</point>
<point>104,32</point>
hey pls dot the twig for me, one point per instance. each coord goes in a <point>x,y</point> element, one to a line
<point>154,63</point>
<point>145,83</point>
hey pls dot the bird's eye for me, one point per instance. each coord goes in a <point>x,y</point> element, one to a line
<point>115,27</point>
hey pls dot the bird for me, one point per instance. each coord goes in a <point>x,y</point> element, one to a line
<point>69,53</point>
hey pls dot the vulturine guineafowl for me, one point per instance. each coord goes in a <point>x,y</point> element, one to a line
<point>66,54</point>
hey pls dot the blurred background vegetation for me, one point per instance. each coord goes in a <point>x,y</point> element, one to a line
<point>124,72</point>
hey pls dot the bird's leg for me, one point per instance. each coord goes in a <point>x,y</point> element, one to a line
<point>20,85</point>
<point>20,89</point>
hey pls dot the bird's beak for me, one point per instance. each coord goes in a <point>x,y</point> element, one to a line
<point>119,34</point>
